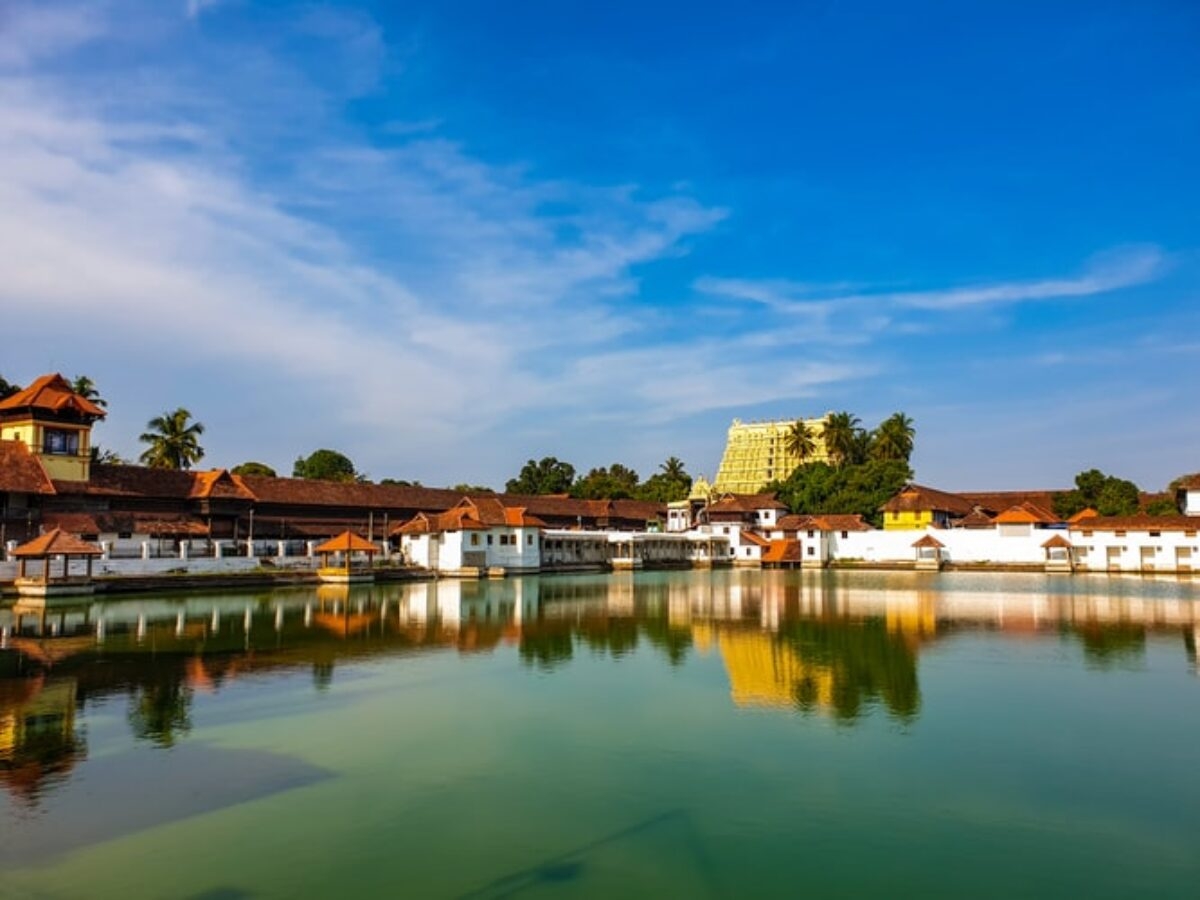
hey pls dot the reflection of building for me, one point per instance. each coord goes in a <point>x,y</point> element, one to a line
<point>38,739</point>
<point>756,454</point>
<point>764,672</point>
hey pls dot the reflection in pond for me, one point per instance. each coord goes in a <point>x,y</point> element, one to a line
<point>816,643</point>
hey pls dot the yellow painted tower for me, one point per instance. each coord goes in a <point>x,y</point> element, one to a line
<point>55,423</point>
<point>756,454</point>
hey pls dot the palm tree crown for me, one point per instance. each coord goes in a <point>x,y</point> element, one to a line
<point>86,388</point>
<point>841,435</point>
<point>673,468</point>
<point>174,444</point>
<point>894,438</point>
<point>800,441</point>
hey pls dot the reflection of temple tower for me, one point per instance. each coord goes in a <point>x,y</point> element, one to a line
<point>37,733</point>
<point>764,672</point>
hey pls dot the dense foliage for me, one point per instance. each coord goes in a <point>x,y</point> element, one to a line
<point>547,476</point>
<point>7,388</point>
<point>325,465</point>
<point>254,468</point>
<point>1107,494</point>
<point>617,482</point>
<point>861,488</point>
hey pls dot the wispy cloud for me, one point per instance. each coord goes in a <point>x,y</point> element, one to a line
<point>30,32</point>
<point>195,7</point>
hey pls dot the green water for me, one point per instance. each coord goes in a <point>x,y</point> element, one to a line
<point>695,734</point>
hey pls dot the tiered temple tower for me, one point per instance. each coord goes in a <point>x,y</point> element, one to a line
<point>756,454</point>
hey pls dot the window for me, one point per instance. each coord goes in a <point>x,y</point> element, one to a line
<point>1156,534</point>
<point>529,540</point>
<point>124,535</point>
<point>60,443</point>
<point>845,534</point>
<point>489,540</point>
<point>812,551</point>
<point>811,533</point>
<point>474,540</point>
<point>1120,534</point>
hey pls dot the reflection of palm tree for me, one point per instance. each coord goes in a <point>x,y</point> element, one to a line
<point>161,713</point>
<point>841,437</point>
<point>86,388</point>
<point>174,444</point>
<point>800,441</point>
<point>894,438</point>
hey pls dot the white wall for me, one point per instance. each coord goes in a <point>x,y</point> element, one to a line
<point>1093,550</point>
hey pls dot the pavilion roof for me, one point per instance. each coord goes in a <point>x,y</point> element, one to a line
<point>928,541</point>
<point>347,542</point>
<point>1058,541</point>
<point>52,393</point>
<point>57,542</point>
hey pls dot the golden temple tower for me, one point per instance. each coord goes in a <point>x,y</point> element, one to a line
<point>756,454</point>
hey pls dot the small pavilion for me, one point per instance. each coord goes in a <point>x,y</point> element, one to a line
<point>1058,554</point>
<point>44,550</point>
<point>929,552</point>
<point>350,549</point>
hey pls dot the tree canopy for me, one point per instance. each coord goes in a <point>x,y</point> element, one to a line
<point>545,476</point>
<point>670,483</point>
<point>173,442</point>
<point>325,465</point>
<point>863,488</point>
<point>617,482</point>
<point>254,468</point>
<point>1107,494</point>
<point>106,457</point>
<point>7,388</point>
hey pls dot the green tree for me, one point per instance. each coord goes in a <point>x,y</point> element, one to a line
<point>800,441</point>
<point>107,457</point>
<point>399,482</point>
<point>862,489</point>
<point>254,468</point>
<point>86,388</point>
<point>545,476</point>
<point>7,388</point>
<point>1108,495</point>
<point>617,482</point>
<point>464,488</point>
<point>842,441</point>
<point>670,483</point>
<point>325,465</point>
<point>894,437</point>
<point>173,443</point>
<point>1162,506</point>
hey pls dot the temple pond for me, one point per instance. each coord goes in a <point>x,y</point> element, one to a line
<point>689,734</point>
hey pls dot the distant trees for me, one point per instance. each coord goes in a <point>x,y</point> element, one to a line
<point>842,441</point>
<point>863,488</point>
<point>617,482</point>
<point>86,388</point>
<point>173,442</point>
<point>254,468</point>
<point>106,457</point>
<point>464,488</point>
<point>670,483</point>
<point>545,476</point>
<point>893,439</point>
<point>7,388</point>
<point>325,465</point>
<point>1107,494</point>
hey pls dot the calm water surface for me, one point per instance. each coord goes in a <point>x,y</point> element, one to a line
<point>690,734</point>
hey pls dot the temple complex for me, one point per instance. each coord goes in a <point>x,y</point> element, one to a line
<point>756,453</point>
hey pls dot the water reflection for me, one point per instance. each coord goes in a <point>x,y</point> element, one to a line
<point>817,643</point>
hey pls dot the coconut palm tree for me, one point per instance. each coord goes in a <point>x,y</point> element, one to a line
<point>800,441</point>
<point>673,469</point>
<point>894,438</point>
<point>841,437</point>
<point>174,444</point>
<point>86,388</point>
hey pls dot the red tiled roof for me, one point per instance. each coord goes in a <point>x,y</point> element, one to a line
<point>975,519</point>
<point>928,541</point>
<point>1027,514</point>
<point>1058,541</point>
<point>1088,513</point>
<point>756,539</point>
<point>52,393</point>
<point>746,503</point>
<point>1190,482</point>
<point>841,522</point>
<point>21,472</point>
<point>55,542</point>
<point>347,541</point>
<point>221,484</point>
<point>1140,522</point>
<point>994,502</point>
<point>918,498</point>
<point>305,492</point>
<point>783,552</point>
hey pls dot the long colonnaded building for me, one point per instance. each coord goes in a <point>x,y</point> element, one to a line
<point>756,454</point>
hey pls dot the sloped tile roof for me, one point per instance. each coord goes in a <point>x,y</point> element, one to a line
<point>746,503</point>
<point>1140,522</point>
<point>21,472</point>
<point>787,551</point>
<point>345,542</point>
<point>918,498</point>
<point>1027,514</point>
<point>55,542</point>
<point>51,393</point>
<point>928,540</point>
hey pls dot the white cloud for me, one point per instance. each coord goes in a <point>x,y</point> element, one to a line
<point>196,7</point>
<point>33,31</point>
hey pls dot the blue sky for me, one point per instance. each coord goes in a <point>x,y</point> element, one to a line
<point>447,237</point>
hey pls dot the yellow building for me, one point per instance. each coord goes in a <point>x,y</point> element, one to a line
<point>756,454</point>
<point>55,423</point>
<point>917,507</point>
